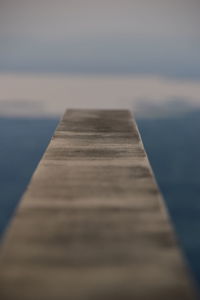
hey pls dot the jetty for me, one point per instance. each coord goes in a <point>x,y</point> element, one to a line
<point>92,224</point>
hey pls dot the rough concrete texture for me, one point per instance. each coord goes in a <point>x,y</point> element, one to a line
<point>92,224</point>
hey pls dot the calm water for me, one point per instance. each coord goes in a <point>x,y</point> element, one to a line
<point>173,147</point>
<point>23,142</point>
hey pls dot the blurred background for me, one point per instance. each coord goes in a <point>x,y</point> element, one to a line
<point>136,54</point>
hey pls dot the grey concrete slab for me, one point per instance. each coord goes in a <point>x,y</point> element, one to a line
<point>92,224</point>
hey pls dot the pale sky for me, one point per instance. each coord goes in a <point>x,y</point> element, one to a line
<point>26,95</point>
<point>108,36</point>
<point>50,19</point>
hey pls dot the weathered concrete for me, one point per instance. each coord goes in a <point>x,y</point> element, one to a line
<point>92,224</point>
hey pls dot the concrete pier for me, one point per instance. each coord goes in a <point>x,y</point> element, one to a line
<point>92,224</point>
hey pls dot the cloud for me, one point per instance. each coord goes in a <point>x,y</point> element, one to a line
<point>50,95</point>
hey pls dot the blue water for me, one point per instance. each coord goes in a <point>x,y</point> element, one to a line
<point>22,143</point>
<point>173,147</point>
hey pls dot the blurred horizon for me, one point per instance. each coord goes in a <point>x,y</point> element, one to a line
<point>48,95</point>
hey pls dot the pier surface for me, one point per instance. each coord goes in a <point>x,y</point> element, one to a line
<point>92,224</point>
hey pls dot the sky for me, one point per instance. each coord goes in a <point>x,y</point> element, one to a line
<point>155,37</point>
<point>91,53</point>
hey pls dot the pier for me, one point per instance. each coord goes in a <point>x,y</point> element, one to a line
<point>92,224</point>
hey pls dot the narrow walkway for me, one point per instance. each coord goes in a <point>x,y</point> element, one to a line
<point>92,224</point>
